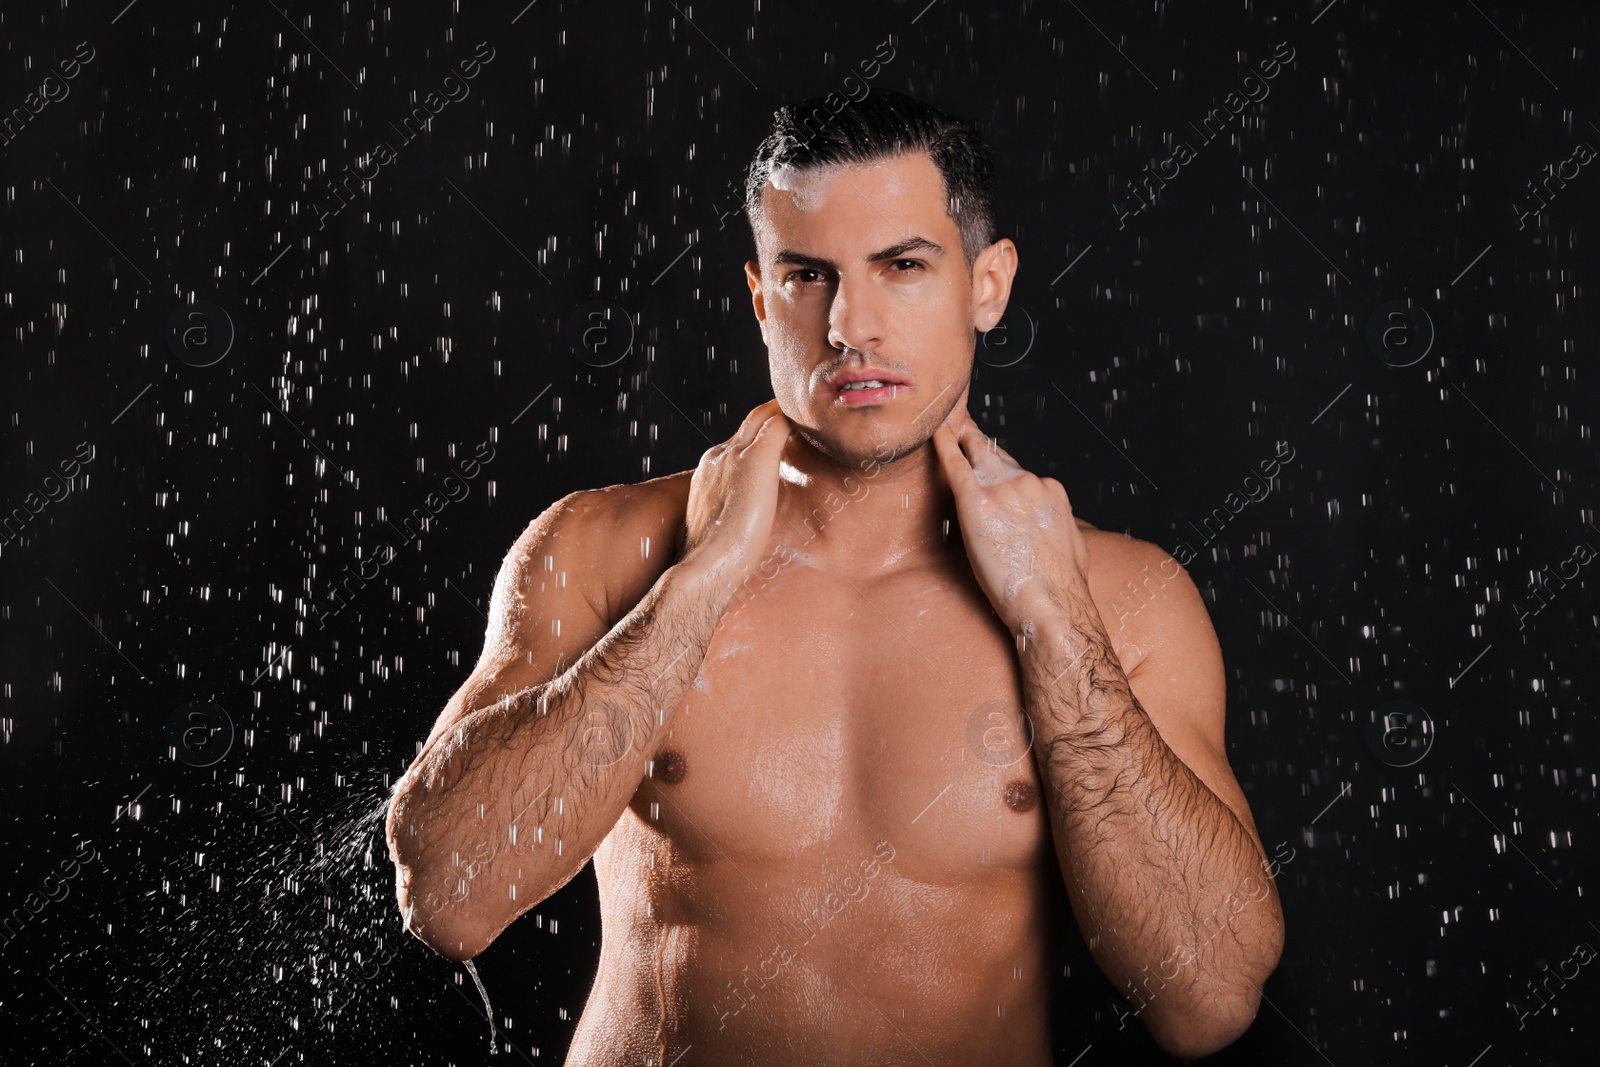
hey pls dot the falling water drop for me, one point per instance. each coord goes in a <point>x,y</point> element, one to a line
<point>494,1045</point>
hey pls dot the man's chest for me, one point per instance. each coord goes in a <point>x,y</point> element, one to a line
<point>830,712</point>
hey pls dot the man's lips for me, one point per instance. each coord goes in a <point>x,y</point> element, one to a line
<point>835,386</point>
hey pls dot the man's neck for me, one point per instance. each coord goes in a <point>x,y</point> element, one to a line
<point>863,519</point>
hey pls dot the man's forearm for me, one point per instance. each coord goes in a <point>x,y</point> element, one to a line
<point>502,809</point>
<point>1156,864</point>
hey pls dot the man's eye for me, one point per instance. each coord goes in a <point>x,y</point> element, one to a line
<point>916,264</point>
<point>792,275</point>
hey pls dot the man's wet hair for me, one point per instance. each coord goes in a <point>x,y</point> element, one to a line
<point>881,125</point>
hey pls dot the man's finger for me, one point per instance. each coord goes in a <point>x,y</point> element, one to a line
<point>957,470</point>
<point>752,422</point>
<point>991,445</point>
<point>983,453</point>
<point>772,432</point>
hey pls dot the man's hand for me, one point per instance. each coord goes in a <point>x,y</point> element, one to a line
<point>1024,545</point>
<point>733,498</point>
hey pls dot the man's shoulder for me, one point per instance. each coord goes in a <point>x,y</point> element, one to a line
<point>1120,557</point>
<point>1144,594</point>
<point>617,539</point>
<point>620,508</point>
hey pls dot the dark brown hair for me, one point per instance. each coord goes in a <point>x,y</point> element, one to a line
<point>881,125</point>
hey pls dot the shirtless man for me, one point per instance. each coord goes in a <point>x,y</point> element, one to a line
<point>838,714</point>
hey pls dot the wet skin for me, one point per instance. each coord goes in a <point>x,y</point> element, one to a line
<point>831,841</point>
<point>839,852</point>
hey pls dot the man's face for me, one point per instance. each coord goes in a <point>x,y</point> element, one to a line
<point>861,275</point>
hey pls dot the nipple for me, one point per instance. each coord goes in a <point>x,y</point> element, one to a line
<point>1021,796</point>
<point>669,767</point>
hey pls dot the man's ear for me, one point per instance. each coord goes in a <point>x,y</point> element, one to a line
<point>752,277</point>
<point>992,274</point>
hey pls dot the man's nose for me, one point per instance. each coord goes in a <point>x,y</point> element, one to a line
<point>856,317</point>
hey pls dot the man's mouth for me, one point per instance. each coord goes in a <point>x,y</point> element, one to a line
<point>867,386</point>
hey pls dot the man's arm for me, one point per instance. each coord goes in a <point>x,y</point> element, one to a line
<point>1160,856</point>
<point>1157,851</point>
<point>515,788</point>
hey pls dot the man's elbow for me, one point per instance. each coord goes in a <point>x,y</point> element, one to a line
<point>1205,1024</point>
<point>429,910</point>
<point>451,938</point>
<point>443,925</point>
<point>1206,1030</point>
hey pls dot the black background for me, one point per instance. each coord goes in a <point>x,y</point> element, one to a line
<point>242,911</point>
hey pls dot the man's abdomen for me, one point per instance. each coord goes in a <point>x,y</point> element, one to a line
<point>806,963</point>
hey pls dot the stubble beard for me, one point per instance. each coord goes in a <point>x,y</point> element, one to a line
<point>906,442</point>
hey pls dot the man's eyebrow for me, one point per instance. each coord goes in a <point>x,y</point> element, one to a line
<point>911,244</point>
